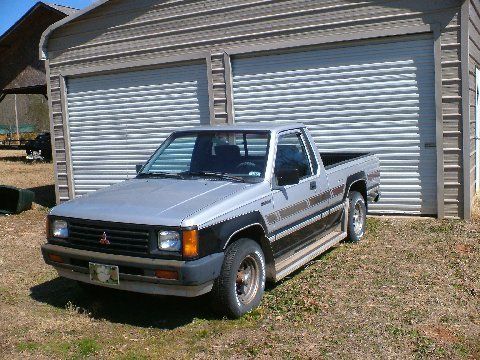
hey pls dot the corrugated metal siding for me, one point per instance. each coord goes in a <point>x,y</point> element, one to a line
<point>118,120</point>
<point>110,34</point>
<point>376,98</point>
<point>474,64</point>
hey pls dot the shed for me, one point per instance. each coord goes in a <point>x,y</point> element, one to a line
<point>394,77</point>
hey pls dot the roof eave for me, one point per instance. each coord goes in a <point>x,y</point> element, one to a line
<point>43,53</point>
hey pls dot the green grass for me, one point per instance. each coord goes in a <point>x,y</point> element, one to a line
<point>76,349</point>
<point>86,347</point>
<point>133,355</point>
<point>27,346</point>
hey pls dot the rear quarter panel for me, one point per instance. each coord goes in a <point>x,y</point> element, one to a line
<point>342,176</point>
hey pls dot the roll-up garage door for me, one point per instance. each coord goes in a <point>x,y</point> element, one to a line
<point>118,120</point>
<point>376,97</point>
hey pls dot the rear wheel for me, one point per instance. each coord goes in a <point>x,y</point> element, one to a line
<point>241,283</point>
<point>357,217</point>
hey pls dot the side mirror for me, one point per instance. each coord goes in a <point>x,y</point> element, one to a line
<point>138,167</point>
<point>287,176</point>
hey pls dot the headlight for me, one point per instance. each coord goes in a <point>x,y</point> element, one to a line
<point>169,240</point>
<point>60,229</point>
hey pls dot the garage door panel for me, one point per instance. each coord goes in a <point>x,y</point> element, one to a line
<point>370,98</point>
<point>117,121</point>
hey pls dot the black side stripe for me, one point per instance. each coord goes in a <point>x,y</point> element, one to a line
<point>298,222</point>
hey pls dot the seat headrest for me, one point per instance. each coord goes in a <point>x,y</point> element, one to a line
<point>231,152</point>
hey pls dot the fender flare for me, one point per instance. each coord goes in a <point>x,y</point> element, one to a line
<point>352,179</point>
<point>225,231</point>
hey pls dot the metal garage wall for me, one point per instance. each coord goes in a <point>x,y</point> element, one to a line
<point>118,120</point>
<point>372,98</point>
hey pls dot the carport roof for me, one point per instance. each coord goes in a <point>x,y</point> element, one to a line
<point>21,71</point>
<point>59,8</point>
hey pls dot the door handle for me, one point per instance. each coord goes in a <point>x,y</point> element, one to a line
<point>313,185</point>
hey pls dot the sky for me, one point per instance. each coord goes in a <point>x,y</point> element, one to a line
<point>12,10</point>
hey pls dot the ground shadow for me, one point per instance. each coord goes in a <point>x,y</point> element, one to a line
<point>18,158</point>
<point>44,195</point>
<point>22,159</point>
<point>162,312</point>
<point>271,286</point>
<point>123,307</point>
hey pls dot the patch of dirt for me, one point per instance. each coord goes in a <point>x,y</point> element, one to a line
<point>464,248</point>
<point>440,334</point>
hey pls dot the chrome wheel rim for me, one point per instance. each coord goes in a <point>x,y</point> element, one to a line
<point>358,218</point>
<point>247,280</point>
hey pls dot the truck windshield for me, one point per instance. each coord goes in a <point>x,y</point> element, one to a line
<point>231,155</point>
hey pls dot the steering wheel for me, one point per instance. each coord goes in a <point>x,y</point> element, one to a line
<point>245,164</point>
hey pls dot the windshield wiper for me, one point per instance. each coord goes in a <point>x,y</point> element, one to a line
<point>216,175</point>
<point>161,174</point>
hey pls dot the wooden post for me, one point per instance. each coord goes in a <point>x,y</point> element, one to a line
<point>16,119</point>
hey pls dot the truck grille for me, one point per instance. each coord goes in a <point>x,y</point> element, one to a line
<point>122,238</point>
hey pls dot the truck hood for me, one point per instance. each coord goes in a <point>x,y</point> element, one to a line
<point>149,201</point>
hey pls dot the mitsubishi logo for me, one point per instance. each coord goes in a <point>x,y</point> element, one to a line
<point>104,240</point>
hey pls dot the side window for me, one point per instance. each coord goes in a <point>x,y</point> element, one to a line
<point>291,153</point>
<point>311,153</point>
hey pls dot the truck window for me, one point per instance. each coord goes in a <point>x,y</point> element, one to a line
<point>313,161</point>
<point>291,153</point>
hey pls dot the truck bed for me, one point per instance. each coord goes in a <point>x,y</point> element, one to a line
<point>332,159</point>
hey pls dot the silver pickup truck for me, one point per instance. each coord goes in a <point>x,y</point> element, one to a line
<point>215,209</point>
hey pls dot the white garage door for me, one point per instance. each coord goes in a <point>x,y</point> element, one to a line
<point>117,121</point>
<point>376,98</point>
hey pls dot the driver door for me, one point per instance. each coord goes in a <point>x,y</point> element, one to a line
<point>292,202</point>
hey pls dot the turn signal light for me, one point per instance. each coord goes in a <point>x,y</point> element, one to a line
<point>55,258</point>
<point>166,274</point>
<point>190,243</point>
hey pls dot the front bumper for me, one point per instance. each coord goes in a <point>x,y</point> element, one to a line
<point>138,274</point>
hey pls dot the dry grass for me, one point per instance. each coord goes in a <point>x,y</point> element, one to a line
<point>410,289</point>
<point>17,171</point>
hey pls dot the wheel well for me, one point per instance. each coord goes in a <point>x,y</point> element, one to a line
<point>361,187</point>
<point>256,233</point>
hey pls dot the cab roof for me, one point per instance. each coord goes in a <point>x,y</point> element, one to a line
<point>270,126</point>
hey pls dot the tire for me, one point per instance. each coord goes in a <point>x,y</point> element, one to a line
<point>231,297</point>
<point>357,217</point>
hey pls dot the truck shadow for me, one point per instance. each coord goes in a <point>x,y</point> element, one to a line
<point>162,312</point>
<point>121,306</point>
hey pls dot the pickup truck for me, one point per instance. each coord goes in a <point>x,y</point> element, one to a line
<point>217,210</point>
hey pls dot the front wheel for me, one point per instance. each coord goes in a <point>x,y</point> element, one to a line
<point>240,286</point>
<point>357,217</point>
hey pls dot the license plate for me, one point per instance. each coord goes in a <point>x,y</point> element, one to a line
<point>105,274</point>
